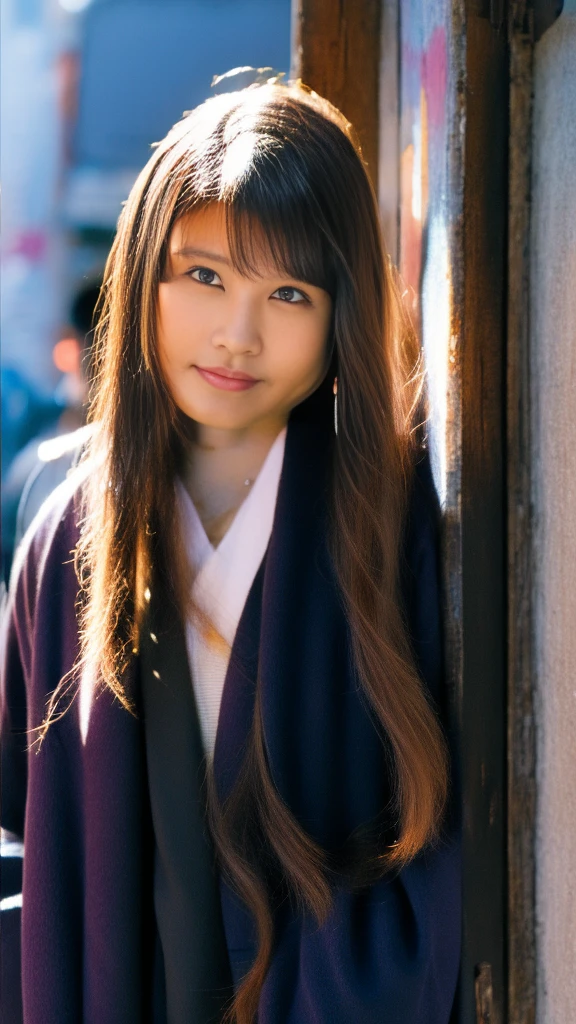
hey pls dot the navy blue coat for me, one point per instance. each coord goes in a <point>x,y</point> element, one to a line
<point>387,954</point>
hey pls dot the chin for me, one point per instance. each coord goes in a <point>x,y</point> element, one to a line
<point>218,419</point>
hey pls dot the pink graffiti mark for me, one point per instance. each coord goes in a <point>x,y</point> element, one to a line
<point>434,77</point>
<point>426,69</point>
<point>31,245</point>
<point>424,120</point>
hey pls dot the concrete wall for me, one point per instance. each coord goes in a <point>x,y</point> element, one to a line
<point>553,315</point>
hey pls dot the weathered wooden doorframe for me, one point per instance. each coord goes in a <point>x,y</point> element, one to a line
<point>527,20</point>
<point>521,725</point>
<point>475,552</point>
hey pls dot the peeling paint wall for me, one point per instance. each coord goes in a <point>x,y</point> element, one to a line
<point>553,318</point>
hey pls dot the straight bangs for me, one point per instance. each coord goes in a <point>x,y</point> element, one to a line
<point>251,162</point>
<point>268,228</point>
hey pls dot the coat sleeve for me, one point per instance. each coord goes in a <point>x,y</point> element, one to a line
<point>16,631</point>
<point>391,952</point>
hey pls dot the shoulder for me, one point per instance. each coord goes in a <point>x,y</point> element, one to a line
<point>54,460</point>
<point>39,633</point>
<point>46,549</point>
<point>422,526</point>
<point>420,572</point>
<point>423,507</point>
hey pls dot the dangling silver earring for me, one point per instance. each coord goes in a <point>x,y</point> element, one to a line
<point>335,390</point>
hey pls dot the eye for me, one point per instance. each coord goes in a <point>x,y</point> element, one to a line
<point>290,294</point>
<point>205,276</point>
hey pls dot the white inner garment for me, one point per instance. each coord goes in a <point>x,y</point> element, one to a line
<point>224,575</point>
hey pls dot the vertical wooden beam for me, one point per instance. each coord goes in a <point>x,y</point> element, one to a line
<point>483,510</point>
<point>521,655</point>
<point>336,51</point>
<point>389,136</point>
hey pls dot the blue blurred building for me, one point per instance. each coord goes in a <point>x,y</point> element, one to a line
<point>142,64</point>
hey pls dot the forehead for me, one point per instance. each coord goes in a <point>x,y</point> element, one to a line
<point>207,229</point>
<point>208,223</point>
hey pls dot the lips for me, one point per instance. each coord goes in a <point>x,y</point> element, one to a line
<point>226,380</point>
<point>221,371</point>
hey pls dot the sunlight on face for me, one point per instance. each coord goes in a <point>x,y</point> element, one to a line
<point>211,318</point>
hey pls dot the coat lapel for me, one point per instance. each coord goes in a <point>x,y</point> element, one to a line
<point>186,891</point>
<point>295,532</point>
<point>325,754</point>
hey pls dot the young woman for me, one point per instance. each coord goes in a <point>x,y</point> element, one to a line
<point>223,694</point>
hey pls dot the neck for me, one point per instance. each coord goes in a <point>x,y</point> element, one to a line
<point>221,439</point>
<point>222,465</point>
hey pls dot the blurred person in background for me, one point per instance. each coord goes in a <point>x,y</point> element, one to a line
<point>44,461</point>
<point>224,726</point>
<point>26,412</point>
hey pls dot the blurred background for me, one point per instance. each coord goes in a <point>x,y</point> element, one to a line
<point>87,87</point>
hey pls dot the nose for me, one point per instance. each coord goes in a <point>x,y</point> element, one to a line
<point>239,332</point>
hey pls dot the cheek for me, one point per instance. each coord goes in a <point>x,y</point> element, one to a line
<point>304,351</point>
<point>178,328</point>
<point>166,323</point>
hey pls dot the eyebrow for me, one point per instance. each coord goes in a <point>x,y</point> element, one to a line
<point>204,254</point>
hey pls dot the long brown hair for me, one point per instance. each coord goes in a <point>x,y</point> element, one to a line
<point>281,157</point>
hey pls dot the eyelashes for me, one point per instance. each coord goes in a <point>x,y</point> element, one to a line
<point>288,294</point>
<point>203,273</point>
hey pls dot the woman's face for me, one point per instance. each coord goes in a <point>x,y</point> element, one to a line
<point>211,319</point>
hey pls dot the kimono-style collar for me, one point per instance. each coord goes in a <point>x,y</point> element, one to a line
<point>223,576</point>
<point>225,573</point>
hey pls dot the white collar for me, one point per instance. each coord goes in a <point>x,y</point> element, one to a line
<point>224,574</point>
